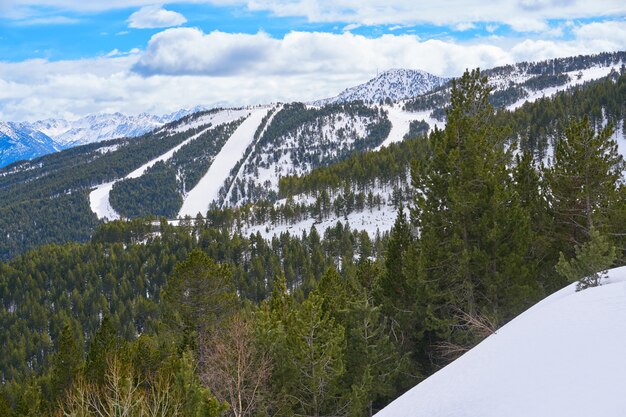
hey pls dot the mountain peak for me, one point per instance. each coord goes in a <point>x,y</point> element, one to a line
<point>394,84</point>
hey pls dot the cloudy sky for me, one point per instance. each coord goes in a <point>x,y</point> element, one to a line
<point>68,58</point>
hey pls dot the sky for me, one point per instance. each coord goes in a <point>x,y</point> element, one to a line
<point>69,58</point>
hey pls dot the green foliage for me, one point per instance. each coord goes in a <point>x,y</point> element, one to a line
<point>154,193</point>
<point>583,181</point>
<point>199,295</point>
<point>589,265</point>
<point>31,223</point>
<point>102,348</point>
<point>315,359</point>
<point>67,362</point>
<point>474,233</point>
<point>417,128</point>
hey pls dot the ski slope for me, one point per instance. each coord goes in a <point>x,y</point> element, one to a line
<point>564,357</point>
<point>207,189</point>
<point>586,75</point>
<point>99,197</point>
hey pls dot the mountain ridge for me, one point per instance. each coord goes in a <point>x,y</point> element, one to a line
<point>394,84</point>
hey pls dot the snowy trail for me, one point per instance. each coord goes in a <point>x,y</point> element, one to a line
<point>400,121</point>
<point>588,74</point>
<point>562,357</point>
<point>99,197</point>
<point>207,189</point>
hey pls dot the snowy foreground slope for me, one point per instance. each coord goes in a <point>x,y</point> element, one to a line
<point>564,357</point>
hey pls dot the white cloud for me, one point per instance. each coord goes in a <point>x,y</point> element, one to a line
<point>351,26</point>
<point>526,15</point>
<point>183,67</point>
<point>463,26</point>
<point>52,20</point>
<point>151,17</point>
<point>491,28</point>
<point>187,51</point>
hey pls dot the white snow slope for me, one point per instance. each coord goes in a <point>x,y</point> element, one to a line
<point>564,357</point>
<point>207,189</point>
<point>99,197</point>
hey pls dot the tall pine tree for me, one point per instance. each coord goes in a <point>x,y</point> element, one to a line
<point>474,233</point>
<point>583,183</point>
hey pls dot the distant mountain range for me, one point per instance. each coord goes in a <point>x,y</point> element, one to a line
<point>28,140</point>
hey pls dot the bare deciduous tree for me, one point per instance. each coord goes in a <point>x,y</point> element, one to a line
<point>122,395</point>
<point>235,369</point>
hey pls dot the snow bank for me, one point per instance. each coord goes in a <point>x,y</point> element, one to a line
<point>564,357</point>
<point>207,189</point>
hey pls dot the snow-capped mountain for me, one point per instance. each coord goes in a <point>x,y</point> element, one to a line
<point>32,139</point>
<point>394,84</point>
<point>562,357</point>
<point>102,126</point>
<point>21,142</point>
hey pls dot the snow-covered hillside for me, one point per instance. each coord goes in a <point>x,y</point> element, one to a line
<point>562,357</point>
<point>394,84</point>
<point>207,190</point>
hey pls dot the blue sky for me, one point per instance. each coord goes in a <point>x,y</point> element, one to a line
<point>67,58</point>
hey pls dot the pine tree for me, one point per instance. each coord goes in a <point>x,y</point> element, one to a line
<point>67,362</point>
<point>583,182</point>
<point>474,233</point>
<point>589,265</point>
<point>102,348</point>
<point>394,287</point>
<point>531,189</point>
<point>316,348</point>
<point>199,295</point>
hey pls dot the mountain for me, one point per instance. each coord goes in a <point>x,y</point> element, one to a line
<point>21,142</point>
<point>286,167</point>
<point>61,134</point>
<point>102,126</point>
<point>394,85</point>
<point>562,357</point>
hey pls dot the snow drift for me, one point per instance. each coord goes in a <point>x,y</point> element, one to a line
<point>564,357</point>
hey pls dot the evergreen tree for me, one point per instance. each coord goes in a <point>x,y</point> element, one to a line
<point>316,348</point>
<point>102,348</point>
<point>589,265</point>
<point>67,362</point>
<point>583,182</point>
<point>474,233</point>
<point>199,295</point>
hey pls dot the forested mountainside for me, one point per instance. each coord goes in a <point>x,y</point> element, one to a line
<point>239,157</point>
<point>196,319</point>
<point>367,188</point>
